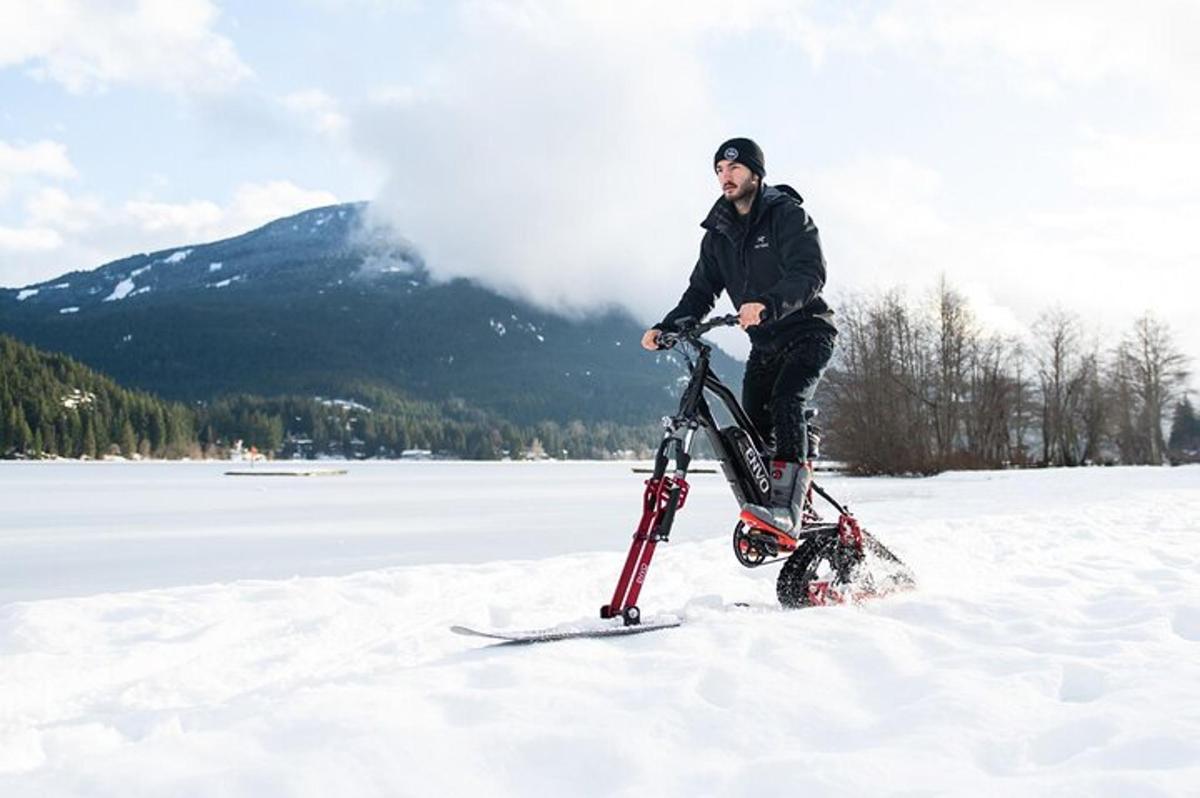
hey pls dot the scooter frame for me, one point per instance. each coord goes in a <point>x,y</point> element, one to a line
<point>740,450</point>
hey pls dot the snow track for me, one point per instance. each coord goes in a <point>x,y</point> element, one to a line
<point>1052,648</point>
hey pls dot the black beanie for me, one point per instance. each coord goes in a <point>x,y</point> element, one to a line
<point>745,152</point>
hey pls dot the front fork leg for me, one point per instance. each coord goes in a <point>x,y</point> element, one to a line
<point>664,495</point>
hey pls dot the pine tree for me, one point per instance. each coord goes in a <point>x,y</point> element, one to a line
<point>127,439</point>
<point>1184,443</point>
<point>89,438</point>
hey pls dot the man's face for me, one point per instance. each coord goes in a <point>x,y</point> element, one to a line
<point>736,180</point>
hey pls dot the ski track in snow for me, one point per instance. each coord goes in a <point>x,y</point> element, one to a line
<point>1052,648</point>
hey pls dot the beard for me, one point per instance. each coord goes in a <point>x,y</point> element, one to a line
<point>744,191</point>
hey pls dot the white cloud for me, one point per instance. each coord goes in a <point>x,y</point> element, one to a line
<point>186,219</point>
<point>87,46</point>
<point>256,204</point>
<point>1157,165</point>
<point>320,111</point>
<point>32,163</point>
<point>890,223</point>
<point>1041,47</point>
<point>42,158</point>
<point>559,152</point>
<point>55,208</point>
<point>548,153</point>
<point>21,240</point>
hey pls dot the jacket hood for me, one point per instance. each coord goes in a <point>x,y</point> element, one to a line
<point>722,217</point>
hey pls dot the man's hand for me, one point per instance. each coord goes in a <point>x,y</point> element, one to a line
<point>650,340</point>
<point>750,314</point>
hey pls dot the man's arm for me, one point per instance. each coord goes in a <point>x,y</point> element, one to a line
<point>799,247</point>
<point>704,286</point>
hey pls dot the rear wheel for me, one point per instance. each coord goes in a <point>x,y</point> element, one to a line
<point>825,571</point>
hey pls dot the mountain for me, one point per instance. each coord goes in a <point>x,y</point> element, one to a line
<point>321,304</point>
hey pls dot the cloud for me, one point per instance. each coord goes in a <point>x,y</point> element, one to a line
<point>189,220</point>
<point>89,46</point>
<point>41,160</point>
<point>44,158</point>
<point>1044,47</point>
<point>893,223</point>
<point>64,232</point>
<point>28,239</point>
<point>1149,166</point>
<point>548,151</point>
<point>320,111</point>
<point>256,204</point>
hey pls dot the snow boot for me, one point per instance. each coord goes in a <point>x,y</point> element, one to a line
<point>789,490</point>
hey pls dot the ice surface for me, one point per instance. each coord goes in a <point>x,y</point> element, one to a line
<point>1053,647</point>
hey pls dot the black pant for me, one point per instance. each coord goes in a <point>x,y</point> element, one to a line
<point>778,387</point>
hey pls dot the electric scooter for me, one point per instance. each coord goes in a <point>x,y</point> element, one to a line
<point>824,561</point>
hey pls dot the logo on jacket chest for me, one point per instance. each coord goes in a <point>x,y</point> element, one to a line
<point>760,242</point>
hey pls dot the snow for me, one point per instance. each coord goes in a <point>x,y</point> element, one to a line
<point>69,310</point>
<point>166,630</point>
<point>121,291</point>
<point>345,404</point>
<point>142,270</point>
<point>177,257</point>
<point>25,293</point>
<point>77,398</point>
<point>215,266</point>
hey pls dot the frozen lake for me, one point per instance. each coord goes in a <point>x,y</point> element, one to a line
<point>70,529</point>
<point>73,529</point>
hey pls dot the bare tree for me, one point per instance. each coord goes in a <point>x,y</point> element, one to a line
<point>1062,375</point>
<point>874,390</point>
<point>956,341</point>
<point>1148,372</point>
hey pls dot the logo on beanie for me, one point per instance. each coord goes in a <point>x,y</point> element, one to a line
<point>731,153</point>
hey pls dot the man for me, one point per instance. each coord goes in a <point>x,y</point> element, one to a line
<point>762,248</point>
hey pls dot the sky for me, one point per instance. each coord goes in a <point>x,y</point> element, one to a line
<point>1038,154</point>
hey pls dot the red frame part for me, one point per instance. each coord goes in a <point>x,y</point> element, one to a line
<point>655,502</point>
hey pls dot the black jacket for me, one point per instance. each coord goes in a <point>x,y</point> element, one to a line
<point>772,256</point>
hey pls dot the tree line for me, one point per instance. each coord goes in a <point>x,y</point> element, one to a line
<point>917,387</point>
<point>51,405</point>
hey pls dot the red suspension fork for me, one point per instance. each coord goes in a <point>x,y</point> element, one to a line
<point>662,498</point>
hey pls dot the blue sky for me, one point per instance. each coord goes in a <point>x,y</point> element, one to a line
<point>1037,153</point>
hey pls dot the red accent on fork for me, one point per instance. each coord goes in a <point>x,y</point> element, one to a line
<point>654,503</point>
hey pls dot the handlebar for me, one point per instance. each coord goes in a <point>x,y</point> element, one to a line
<point>692,332</point>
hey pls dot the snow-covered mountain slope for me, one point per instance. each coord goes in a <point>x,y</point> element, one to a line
<point>1053,647</point>
<point>324,303</point>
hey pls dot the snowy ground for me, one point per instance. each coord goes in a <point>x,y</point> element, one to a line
<point>1053,647</point>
